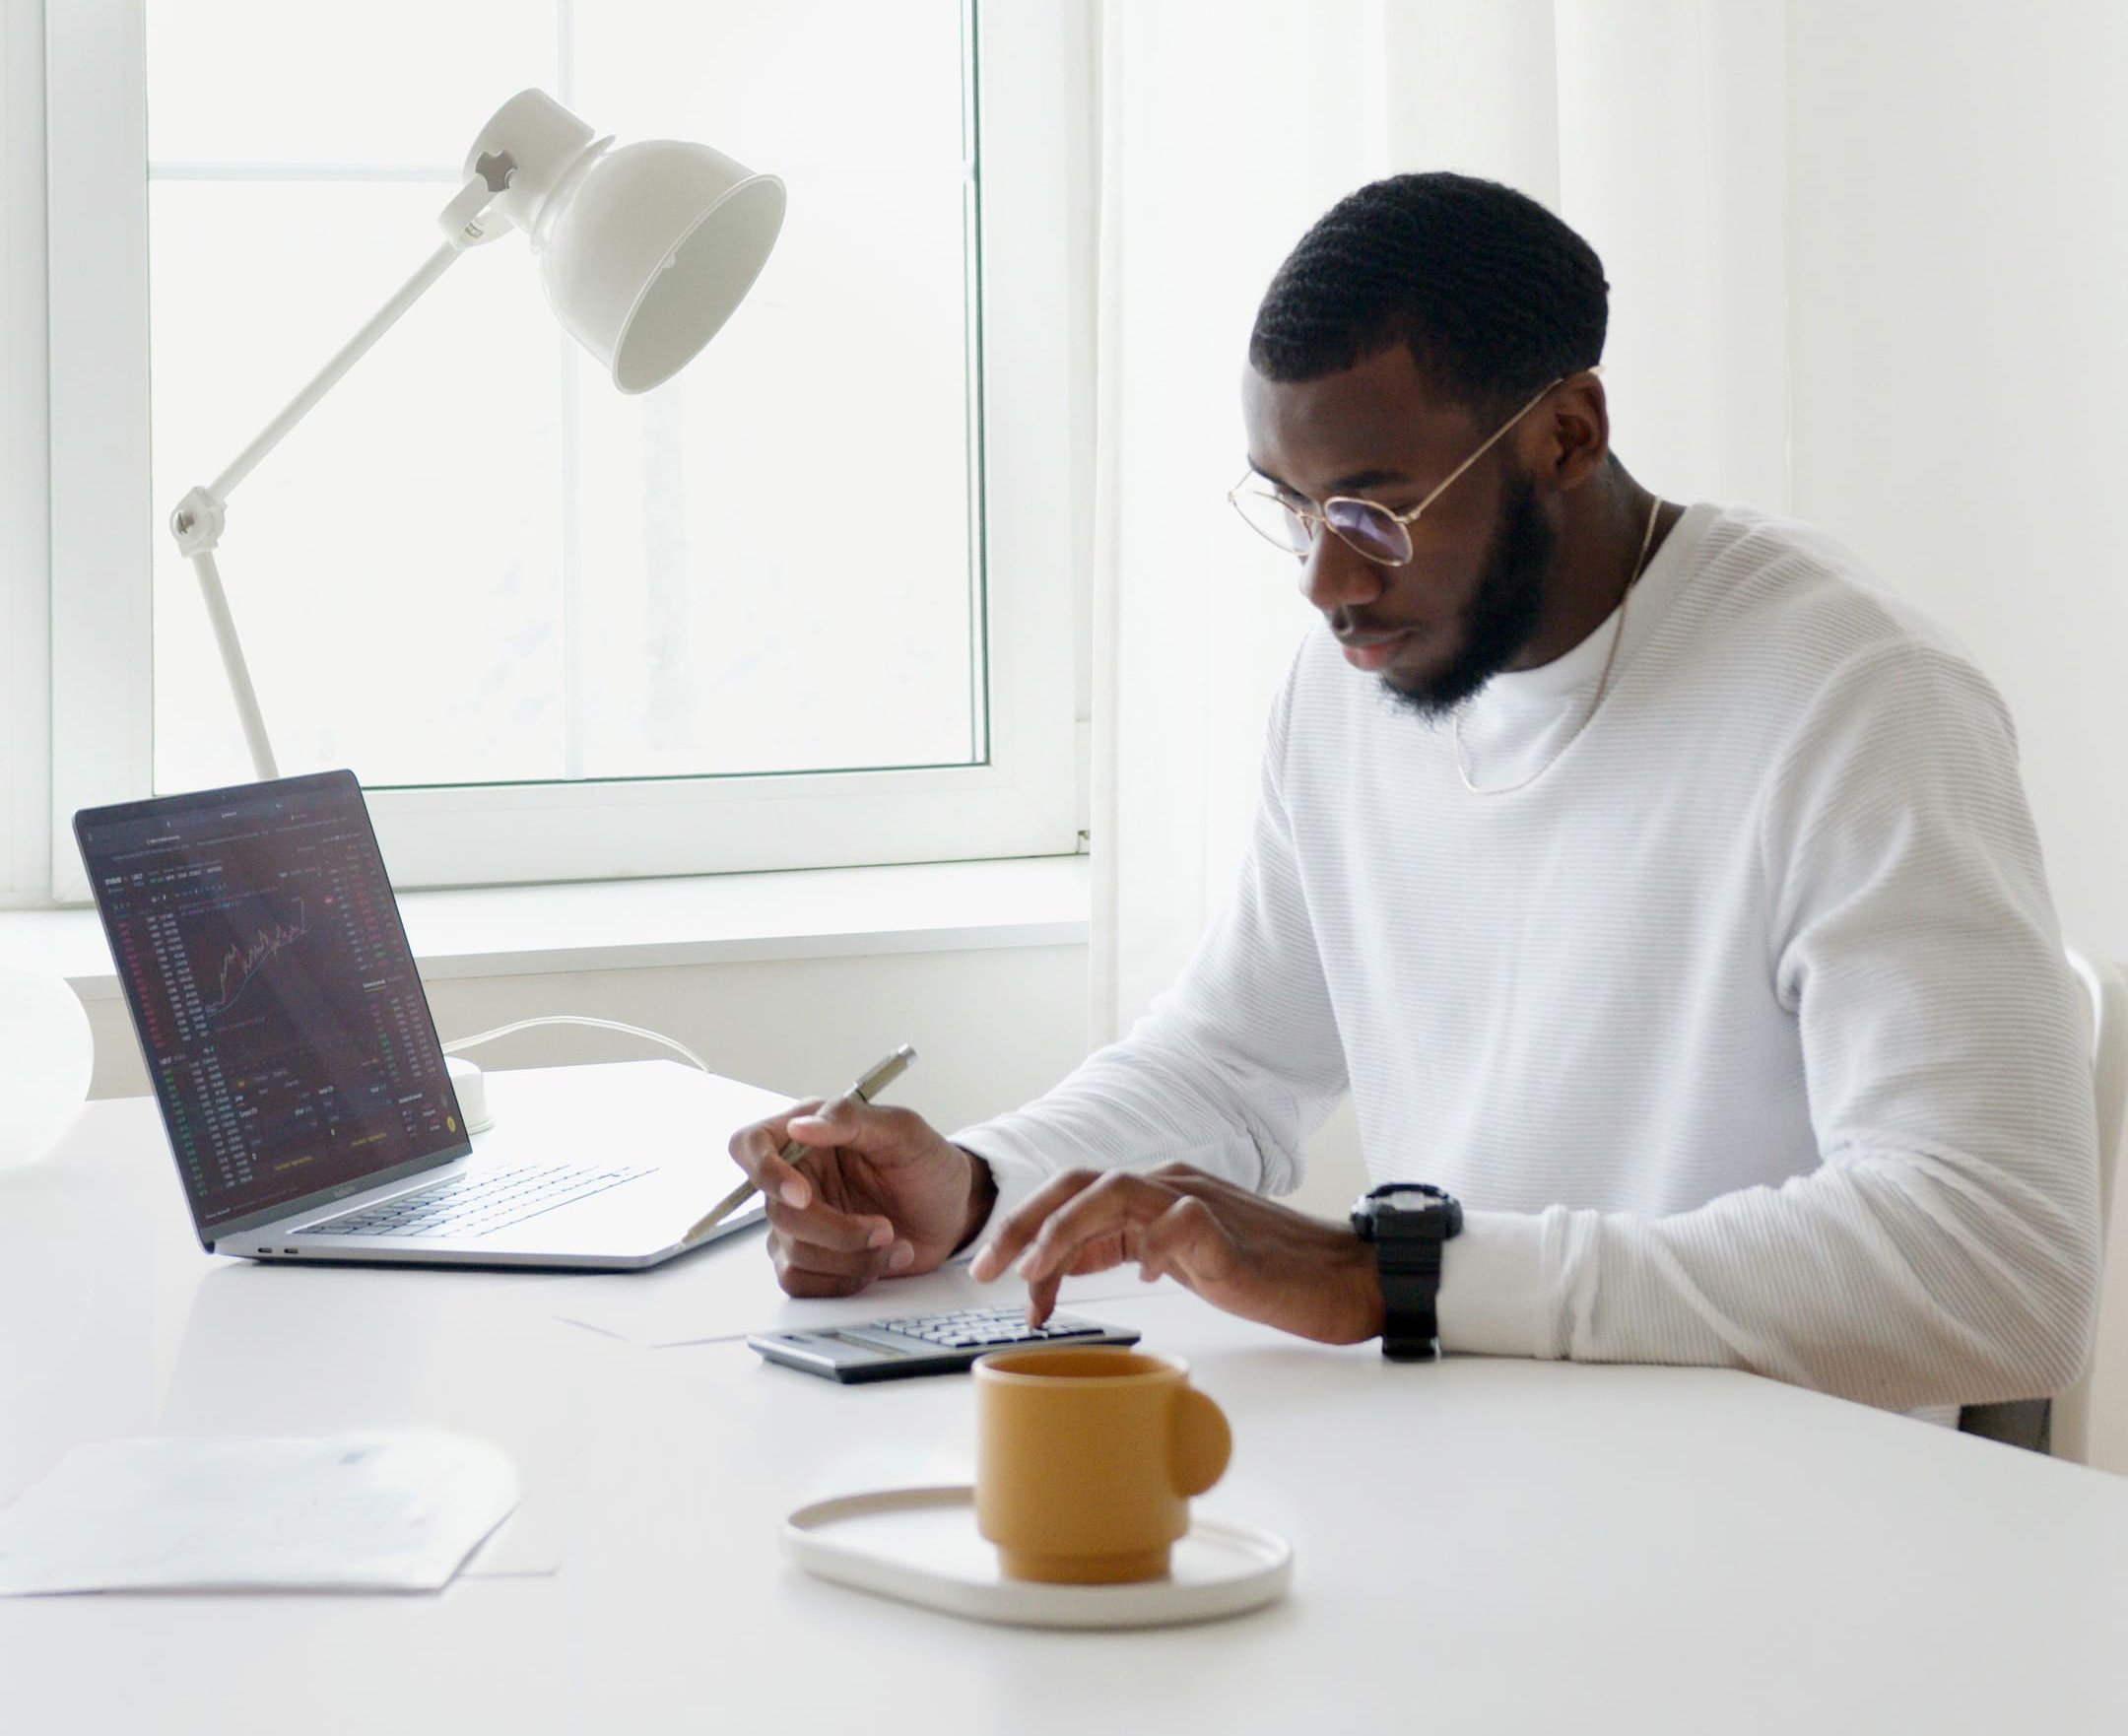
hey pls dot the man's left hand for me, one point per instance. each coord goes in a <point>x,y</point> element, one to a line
<point>1237,1250</point>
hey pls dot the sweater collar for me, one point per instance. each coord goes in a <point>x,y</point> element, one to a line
<point>1578,669</point>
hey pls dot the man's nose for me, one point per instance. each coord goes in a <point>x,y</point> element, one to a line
<point>1336,575</point>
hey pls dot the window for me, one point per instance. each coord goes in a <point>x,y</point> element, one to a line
<point>811,603</point>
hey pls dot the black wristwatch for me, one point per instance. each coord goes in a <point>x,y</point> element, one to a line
<point>1408,1223</point>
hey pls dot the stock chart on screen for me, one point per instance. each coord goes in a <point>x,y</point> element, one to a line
<point>276,1000</point>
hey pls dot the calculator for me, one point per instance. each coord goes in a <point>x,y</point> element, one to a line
<point>925,1344</point>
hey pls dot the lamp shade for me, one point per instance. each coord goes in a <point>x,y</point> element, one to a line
<point>644,250</point>
<point>650,251</point>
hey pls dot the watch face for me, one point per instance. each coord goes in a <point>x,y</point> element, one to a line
<point>1406,1199</point>
<point>1402,1208</point>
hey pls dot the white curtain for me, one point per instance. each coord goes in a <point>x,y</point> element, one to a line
<point>1655,127</point>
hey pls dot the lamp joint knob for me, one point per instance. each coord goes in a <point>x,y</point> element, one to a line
<point>467,220</point>
<point>197,523</point>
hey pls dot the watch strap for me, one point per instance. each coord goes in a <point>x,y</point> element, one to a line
<point>1410,1268</point>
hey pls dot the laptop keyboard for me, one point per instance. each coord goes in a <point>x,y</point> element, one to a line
<point>480,1204</point>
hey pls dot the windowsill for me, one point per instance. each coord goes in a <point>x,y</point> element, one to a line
<point>709,919</point>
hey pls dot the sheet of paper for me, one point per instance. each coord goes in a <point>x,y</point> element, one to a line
<point>729,1290</point>
<point>523,1547</point>
<point>351,1512</point>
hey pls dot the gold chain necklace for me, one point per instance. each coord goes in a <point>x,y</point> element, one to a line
<point>1603,683</point>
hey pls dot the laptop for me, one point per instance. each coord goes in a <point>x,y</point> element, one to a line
<point>295,1062</point>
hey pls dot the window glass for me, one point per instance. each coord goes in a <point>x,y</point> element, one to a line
<point>475,562</point>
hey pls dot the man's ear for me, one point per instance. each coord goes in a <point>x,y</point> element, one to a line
<point>1577,431</point>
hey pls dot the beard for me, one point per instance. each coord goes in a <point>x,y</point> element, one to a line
<point>1502,616</point>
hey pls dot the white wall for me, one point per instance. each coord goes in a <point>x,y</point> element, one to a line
<point>1958,279</point>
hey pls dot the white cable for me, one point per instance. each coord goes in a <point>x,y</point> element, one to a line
<point>474,1042</point>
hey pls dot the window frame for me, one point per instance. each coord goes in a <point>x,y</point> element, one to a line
<point>1033,109</point>
<point>25,470</point>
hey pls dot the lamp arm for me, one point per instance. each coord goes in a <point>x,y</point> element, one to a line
<point>198,523</point>
<point>356,348</point>
<point>233,665</point>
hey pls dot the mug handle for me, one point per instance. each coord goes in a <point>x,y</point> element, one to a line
<point>1199,1443</point>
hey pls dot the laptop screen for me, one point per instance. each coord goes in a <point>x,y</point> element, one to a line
<point>287,1036</point>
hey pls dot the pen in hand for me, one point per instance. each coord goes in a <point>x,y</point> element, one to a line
<point>864,1091</point>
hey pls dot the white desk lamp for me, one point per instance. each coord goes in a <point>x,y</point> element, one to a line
<point>644,251</point>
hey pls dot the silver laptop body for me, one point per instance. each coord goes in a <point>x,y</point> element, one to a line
<point>296,1063</point>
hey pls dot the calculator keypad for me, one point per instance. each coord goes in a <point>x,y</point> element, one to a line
<point>985,1328</point>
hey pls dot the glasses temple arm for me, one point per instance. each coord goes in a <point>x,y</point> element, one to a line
<point>1492,441</point>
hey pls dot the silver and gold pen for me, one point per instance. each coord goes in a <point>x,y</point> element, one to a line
<point>864,1091</point>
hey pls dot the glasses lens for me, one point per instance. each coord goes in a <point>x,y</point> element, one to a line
<point>1369,530</point>
<point>1272,519</point>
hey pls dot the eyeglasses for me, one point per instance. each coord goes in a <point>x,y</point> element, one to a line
<point>1382,536</point>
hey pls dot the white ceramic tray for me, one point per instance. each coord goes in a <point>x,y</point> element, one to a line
<point>921,1545</point>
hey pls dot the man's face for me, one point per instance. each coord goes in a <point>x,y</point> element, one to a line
<point>1468,602</point>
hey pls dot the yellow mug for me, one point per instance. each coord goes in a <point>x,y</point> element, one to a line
<point>1085,1459</point>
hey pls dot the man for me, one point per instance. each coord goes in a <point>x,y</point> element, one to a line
<point>1655,886</point>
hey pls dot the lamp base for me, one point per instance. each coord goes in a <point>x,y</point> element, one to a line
<point>471,1085</point>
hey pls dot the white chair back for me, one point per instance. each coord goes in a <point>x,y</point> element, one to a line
<point>2106,1379</point>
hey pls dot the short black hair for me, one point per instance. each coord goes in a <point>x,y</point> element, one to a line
<point>1492,294</point>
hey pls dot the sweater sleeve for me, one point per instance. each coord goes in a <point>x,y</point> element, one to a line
<point>1946,1247</point>
<point>1230,1070</point>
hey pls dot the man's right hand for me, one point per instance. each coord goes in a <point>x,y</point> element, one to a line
<point>879,1194</point>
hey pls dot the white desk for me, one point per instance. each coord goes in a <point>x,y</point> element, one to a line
<point>1479,1545</point>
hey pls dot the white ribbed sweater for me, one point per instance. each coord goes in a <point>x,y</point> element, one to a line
<point>1742,1032</point>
